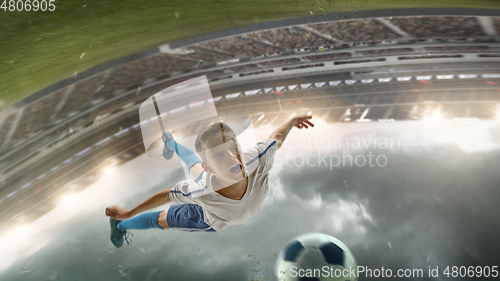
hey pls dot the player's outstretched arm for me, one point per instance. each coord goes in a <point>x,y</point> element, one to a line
<point>158,199</point>
<point>300,121</point>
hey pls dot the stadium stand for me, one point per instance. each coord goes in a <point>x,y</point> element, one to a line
<point>6,127</point>
<point>385,52</point>
<point>250,73</point>
<point>302,66</point>
<point>458,49</point>
<point>359,61</point>
<point>206,55</point>
<point>290,38</point>
<point>106,85</point>
<point>345,101</point>
<point>169,65</point>
<point>328,56</point>
<point>212,73</point>
<point>68,128</point>
<point>496,24</point>
<point>279,62</point>
<point>426,57</point>
<point>139,72</point>
<point>241,45</point>
<point>354,31</point>
<point>79,97</point>
<point>26,151</point>
<point>269,48</point>
<point>136,75</point>
<point>127,76</point>
<point>433,27</point>
<point>245,67</point>
<point>255,45</point>
<point>38,115</point>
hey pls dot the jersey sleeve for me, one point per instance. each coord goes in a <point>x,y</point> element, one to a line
<point>188,192</point>
<point>261,156</point>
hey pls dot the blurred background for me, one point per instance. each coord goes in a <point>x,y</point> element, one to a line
<point>416,85</point>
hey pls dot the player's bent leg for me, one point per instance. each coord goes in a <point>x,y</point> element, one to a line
<point>166,137</point>
<point>189,157</point>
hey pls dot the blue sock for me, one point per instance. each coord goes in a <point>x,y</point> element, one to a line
<point>186,155</point>
<point>142,221</point>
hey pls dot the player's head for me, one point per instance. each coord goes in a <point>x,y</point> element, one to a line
<point>221,153</point>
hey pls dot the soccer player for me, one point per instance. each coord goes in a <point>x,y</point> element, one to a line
<point>229,188</point>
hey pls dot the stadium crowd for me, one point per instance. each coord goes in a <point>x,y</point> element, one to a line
<point>496,24</point>
<point>245,67</point>
<point>355,31</point>
<point>91,91</point>
<point>81,94</point>
<point>38,115</point>
<point>289,38</point>
<point>207,55</point>
<point>432,27</point>
<point>136,72</point>
<point>6,127</point>
<point>241,46</point>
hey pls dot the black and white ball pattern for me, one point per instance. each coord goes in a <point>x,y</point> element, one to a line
<point>314,251</point>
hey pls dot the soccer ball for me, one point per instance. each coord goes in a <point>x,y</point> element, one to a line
<point>317,257</point>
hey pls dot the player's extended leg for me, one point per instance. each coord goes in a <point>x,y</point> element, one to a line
<point>142,221</point>
<point>187,156</point>
<point>119,229</point>
<point>186,217</point>
<point>189,217</point>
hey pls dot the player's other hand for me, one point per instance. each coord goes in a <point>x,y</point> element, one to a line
<point>302,121</point>
<point>117,213</point>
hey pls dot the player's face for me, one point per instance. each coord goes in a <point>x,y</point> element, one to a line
<point>225,157</point>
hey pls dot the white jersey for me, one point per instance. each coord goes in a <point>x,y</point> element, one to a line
<point>219,210</point>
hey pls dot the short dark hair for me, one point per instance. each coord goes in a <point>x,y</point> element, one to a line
<point>210,130</point>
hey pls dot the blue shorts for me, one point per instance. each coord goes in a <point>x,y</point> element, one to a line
<point>187,217</point>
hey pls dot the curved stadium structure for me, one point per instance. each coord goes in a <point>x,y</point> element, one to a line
<point>385,66</point>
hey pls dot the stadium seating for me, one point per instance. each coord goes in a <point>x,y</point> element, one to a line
<point>323,57</point>
<point>279,62</point>
<point>81,94</point>
<point>458,49</point>
<point>6,128</point>
<point>263,46</point>
<point>290,38</point>
<point>354,31</point>
<point>201,55</point>
<point>38,115</point>
<point>241,46</point>
<point>384,52</point>
<point>433,27</point>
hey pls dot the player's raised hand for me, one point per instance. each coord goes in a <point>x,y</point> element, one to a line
<point>302,121</point>
<point>117,213</point>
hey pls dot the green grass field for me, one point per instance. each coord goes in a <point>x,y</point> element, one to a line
<point>38,49</point>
